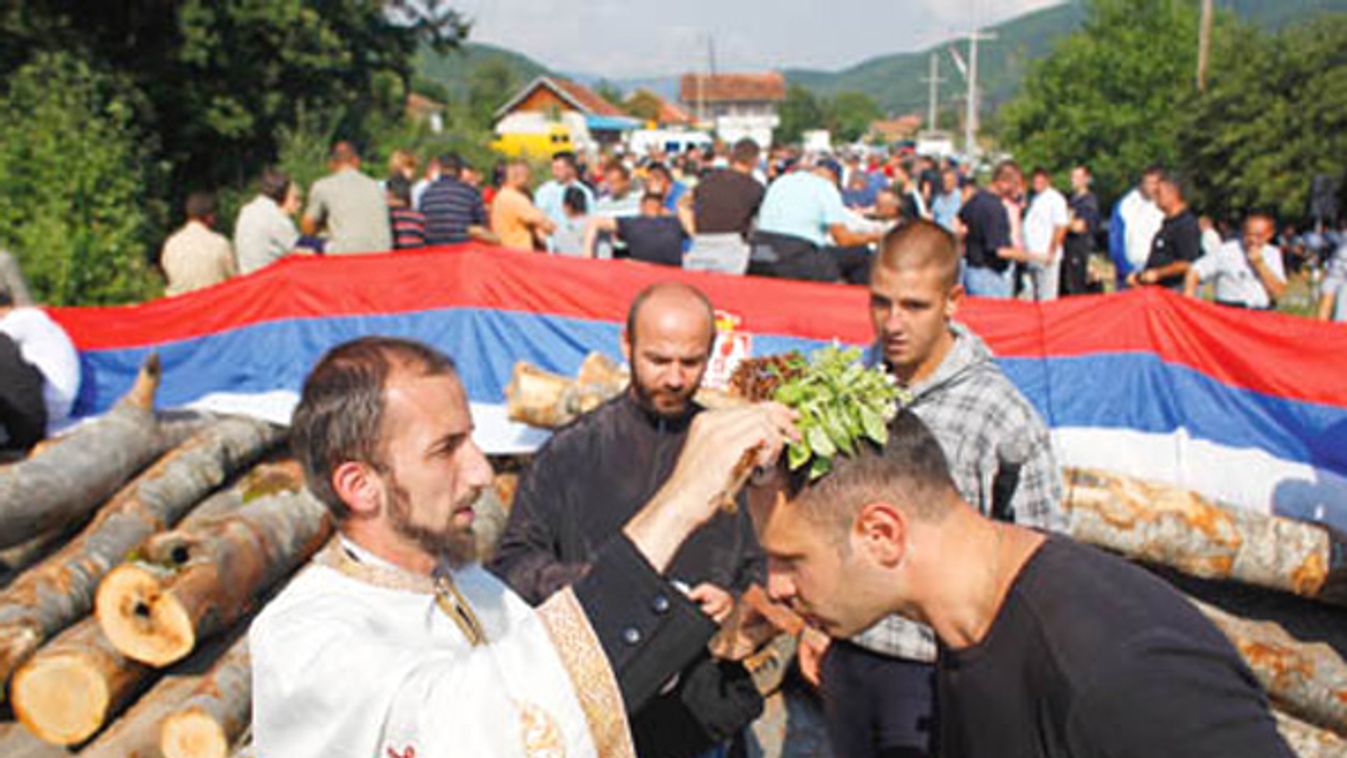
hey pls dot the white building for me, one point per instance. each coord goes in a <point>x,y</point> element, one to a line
<point>736,105</point>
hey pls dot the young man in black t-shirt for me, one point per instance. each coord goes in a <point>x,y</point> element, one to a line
<point>989,248</point>
<point>1046,647</point>
<point>653,237</point>
<point>1178,243</point>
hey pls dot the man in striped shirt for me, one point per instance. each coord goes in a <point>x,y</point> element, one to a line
<point>409,226</point>
<point>453,209</point>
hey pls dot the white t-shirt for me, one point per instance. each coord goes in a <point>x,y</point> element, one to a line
<point>44,344</point>
<point>263,234</point>
<point>1236,281</point>
<point>1046,213</point>
<point>1141,221</point>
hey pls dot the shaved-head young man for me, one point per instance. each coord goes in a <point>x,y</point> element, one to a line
<point>1046,647</point>
<point>877,688</point>
<point>593,475</point>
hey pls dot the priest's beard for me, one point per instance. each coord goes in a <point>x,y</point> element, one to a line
<point>457,546</point>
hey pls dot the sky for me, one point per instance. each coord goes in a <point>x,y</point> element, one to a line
<point>624,39</point>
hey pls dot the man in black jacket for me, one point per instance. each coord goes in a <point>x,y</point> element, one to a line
<point>594,475</point>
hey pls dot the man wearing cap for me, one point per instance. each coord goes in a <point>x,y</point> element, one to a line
<point>802,223</point>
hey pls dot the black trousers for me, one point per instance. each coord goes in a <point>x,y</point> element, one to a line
<point>877,706</point>
<point>853,263</point>
<point>785,257</point>
<point>23,416</point>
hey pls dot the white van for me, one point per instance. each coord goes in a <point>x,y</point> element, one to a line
<point>673,142</point>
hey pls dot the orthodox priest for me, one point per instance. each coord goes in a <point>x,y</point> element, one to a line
<point>395,644</point>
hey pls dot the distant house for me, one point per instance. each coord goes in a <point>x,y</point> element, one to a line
<point>893,130</point>
<point>738,105</point>
<point>592,120</point>
<point>421,109</point>
<point>649,106</point>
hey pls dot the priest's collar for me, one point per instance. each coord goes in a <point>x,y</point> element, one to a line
<point>350,559</point>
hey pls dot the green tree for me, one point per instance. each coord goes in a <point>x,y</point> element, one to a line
<point>643,104</point>
<point>490,85</point>
<point>799,112</point>
<point>221,77</point>
<point>73,176</point>
<point>1110,94</point>
<point>167,97</point>
<point>849,114</point>
<point>608,91</point>
<point>1274,115</point>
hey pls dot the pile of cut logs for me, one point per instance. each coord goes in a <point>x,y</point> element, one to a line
<point>1275,586</point>
<point>135,550</point>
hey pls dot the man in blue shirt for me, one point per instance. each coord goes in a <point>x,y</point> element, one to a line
<point>550,197</point>
<point>801,226</point>
<point>947,202</point>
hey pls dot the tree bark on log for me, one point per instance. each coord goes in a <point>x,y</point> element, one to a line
<point>73,474</point>
<point>216,713</point>
<point>60,590</point>
<point>1168,526</point>
<point>1307,740</point>
<point>549,401</point>
<point>66,691</point>
<point>191,584</point>
<point>1307,680</point>
<point>17,742</point>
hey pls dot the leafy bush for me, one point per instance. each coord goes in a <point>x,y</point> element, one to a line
<point>74,173</point>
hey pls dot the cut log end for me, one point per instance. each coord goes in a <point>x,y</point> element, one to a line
<point>146,386</point>
<point>193,734</point>
<point>61,699</point>
<point>140,619</point>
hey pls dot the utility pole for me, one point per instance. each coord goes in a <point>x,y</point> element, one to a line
<point>934,79</point>
<point>1204,44</point>
<point>971,120</point>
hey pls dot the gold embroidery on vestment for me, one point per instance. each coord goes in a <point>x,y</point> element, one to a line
<point>541,735</point>
<point>592,676</point>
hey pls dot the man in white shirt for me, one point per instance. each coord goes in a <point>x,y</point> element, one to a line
<point>1045,228</point>
<point>1248,273</point>
<point>34,340</point>
<point>1136,220</point>
<point>196,256</point>
<point>394,642</point>
<point>551,196</point>
<point>265,232</point>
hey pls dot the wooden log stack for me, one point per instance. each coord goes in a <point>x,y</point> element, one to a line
<point>60,590</point>
<point>68,477</point>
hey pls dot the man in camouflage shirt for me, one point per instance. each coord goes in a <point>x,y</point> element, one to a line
<point>878,688</point>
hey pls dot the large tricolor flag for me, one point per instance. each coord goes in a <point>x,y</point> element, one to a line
<point>1249,408</point>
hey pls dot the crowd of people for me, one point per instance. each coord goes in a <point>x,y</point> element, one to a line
<point>739,210</point>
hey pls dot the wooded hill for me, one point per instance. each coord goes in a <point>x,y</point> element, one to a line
<point>896,81</point>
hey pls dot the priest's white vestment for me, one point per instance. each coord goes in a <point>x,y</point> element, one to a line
<point>359,658</point>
